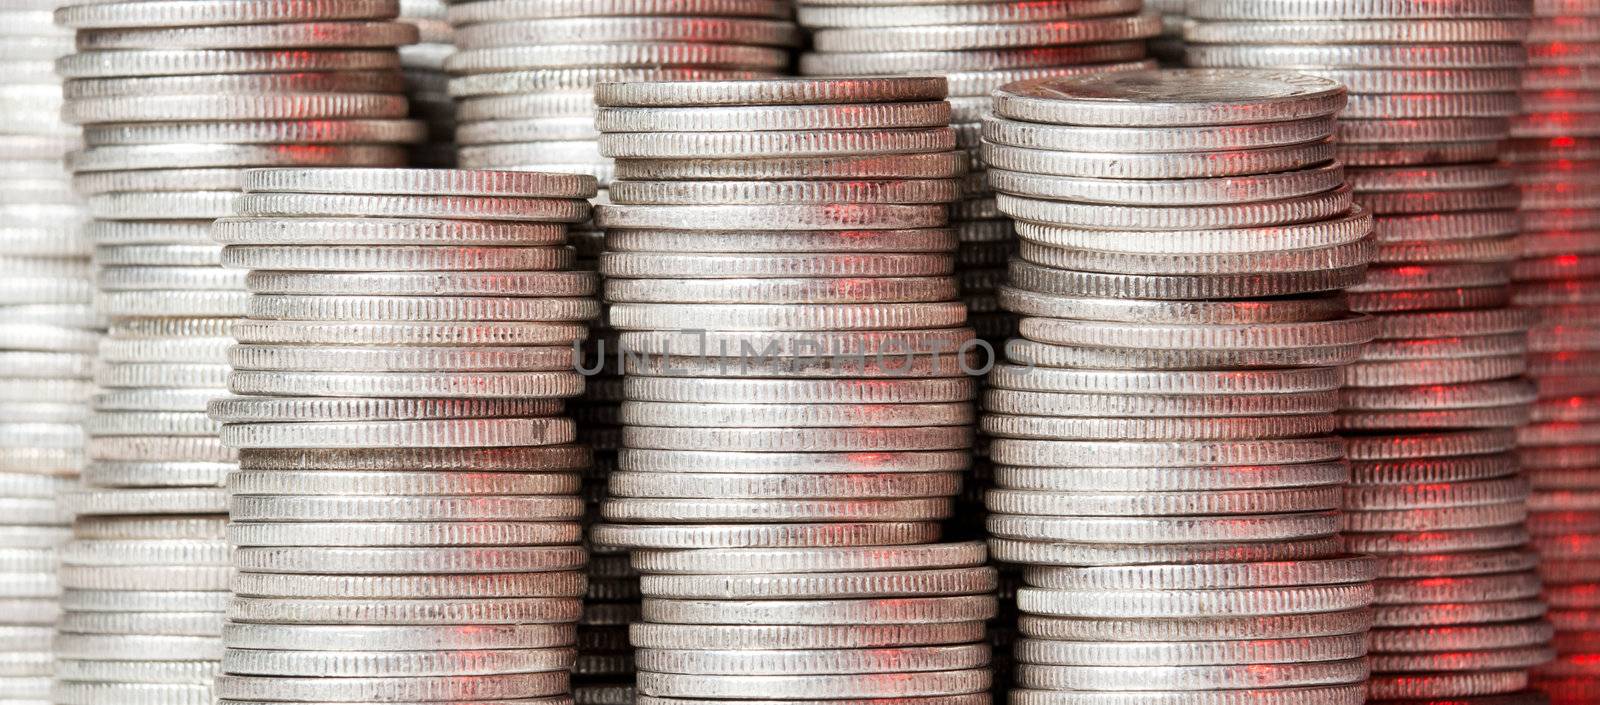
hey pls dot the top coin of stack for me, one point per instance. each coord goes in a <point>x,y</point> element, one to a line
<point>824,405</point>
<point>1555,150</point>
<point>46,340</point>
<point>406,512</point>
<point>1164,464</point>
<point>526,71</point>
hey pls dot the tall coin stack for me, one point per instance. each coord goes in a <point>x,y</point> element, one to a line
<point>1430,407</point>
<point>798,408</point>
<point>405,519</point>
<point>977,47</point>
<point>1165,464</point>
<point>526,71</point>
<point>427,84</point>
<point>1554,149</point>
<point>47,340</point>
<point>176,98</point>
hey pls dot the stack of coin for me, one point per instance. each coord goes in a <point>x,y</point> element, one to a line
<point>810,624</point>
<point>46,340</point>
<point>977,46</point>
<point>1433,87</point>
<point>1430,82</point>
<point>1554,149</point>
<point>1168,48</point>
<point>405,519</point>
<point>176,99</point>
<point>780,274</point>
<point>427,84</point>
<point>1165,464</point>
<point>526,71</point>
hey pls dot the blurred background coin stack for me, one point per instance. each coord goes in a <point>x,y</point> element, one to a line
<point>1554,150</point>
<point>427,84</point>
<point>785,470</point>
<point>526,71</point>
<point>47,340</point>
<point>175,100</point>
<point>1434,399</point>
<point>1165,464</point>
<point>1168,47</point>
<point>405,519</point>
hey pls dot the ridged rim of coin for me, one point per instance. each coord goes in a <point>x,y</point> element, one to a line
<point>189,156</point>
<point>502,11</point>
<point>1081,428</point>
<point>1343,30</point>
<point>865,611</point>
<point>771,217</point>
<point>1351,329</point>
<point>925,683</point>
<point>1323,310</point>
<point>698,636</point>
<point>418,612</point>
<point>786,317</point>
<point>1263,651</point>
<point>521,585</point>
<point>777,535</point>
<point>777,91</point>
<point>411,206</point>
<point>726,486</point>
<point>174,14</point>
<point>1273,186</point>
<point>1170,98</point>
<point>716,266</point>
<point>845,116</point>
<point>869,63</point>
<point>914,659</point>
<point>432,308</point>
<point>415,508</point>
<point>901,583</point>
<point>1340,569</point>
<point>1084,138</point>
<point>923,165</point>
<point>409,333</point>
<point>900,13</point>
<point>401,534</point>
<point>180,62</point>
<point>385,231</point>
<point>640,55</point>
<point>1316,206</point>
<point>269,409</point>
<point>1193,677</point>
<point>1364,56</point>
<point>642,460</point>
<point>1178,165</point>
<point>1153,479</point>
<point>395,688</point>
<point>307,35</point>
<point>359,664</point>
<point>788,415</point>
<point>1325,233</point>
<point>682,193</point>
<point>1008,376</point>
<point>1364,9</point>
<point>962,37</point>
<point>408,559</point>
<point>831,290</point>
<point>400,258</point>
<point>1050,453</point>
<point>329,132</point>
<point>776,143</point>
<point>421,182</point>
<point>739,31</point>
<point>1176,531</point>
<point>798,560</point>
<point>1160,503</point>
<point>632,510</point>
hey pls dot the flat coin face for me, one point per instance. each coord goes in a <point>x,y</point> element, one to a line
<point>1170,98</point>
